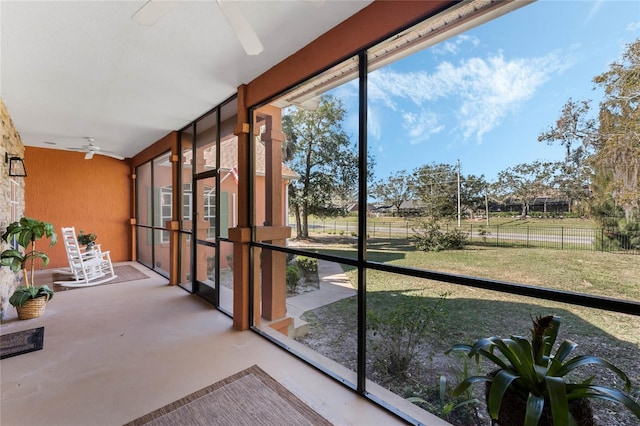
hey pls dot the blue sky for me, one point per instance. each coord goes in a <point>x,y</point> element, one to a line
<point>484,96</point>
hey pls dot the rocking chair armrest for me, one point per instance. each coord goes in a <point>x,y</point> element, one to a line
<point>94,254</point>
<point>96,248</point>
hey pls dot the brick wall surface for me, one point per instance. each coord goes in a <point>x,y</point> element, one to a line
<point>12,144</point>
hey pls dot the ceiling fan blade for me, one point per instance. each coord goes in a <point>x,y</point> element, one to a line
<point>151,12</point>
<point>88,155</point>
<point>241,27</point>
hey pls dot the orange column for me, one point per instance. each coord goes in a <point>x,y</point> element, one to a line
<point>241,235</point>
<point>133,229</point>
<point>274,264</point>
<point>174,224</point>
<point>174,251</point>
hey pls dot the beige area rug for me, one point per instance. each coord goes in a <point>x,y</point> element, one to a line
<point>250,397</point>
<point>123,274</point>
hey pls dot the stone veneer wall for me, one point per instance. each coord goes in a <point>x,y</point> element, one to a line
<point>12,144</point>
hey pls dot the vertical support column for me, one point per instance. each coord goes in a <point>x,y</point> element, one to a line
<point>132,220</point>
<point>134,230</point>
<point>174,250</point>
<point>241,235</point>
<point>174,225</point>
<point>274,291</point>
<point>242,132</point>
<point>257,291</point>
<point>241,238</point>
<point>273,139</point>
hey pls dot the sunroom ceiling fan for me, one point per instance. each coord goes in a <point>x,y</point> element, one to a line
<point>91,149</point>
<point>153,10</point>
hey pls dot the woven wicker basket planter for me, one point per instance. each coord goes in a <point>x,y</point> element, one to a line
<point>33,308</point>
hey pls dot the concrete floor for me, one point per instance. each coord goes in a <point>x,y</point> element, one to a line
<point>113,353</point>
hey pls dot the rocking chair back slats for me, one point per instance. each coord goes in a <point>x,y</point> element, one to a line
<point>87,267</point>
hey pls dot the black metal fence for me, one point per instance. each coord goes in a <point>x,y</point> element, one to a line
<point>558,238</point>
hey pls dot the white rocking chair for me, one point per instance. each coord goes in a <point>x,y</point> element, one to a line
<point>87,267</point>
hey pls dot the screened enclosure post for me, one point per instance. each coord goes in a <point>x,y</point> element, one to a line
<point>362,226</point>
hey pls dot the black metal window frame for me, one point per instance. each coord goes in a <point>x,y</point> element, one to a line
<point>362,264</point>
<point>151,226</point>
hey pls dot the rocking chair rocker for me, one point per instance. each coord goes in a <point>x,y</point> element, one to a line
<point>87,267</point>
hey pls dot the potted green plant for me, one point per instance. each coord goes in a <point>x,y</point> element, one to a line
<point>529,386</point>
<point>30,300</point>
<point>88,240</point>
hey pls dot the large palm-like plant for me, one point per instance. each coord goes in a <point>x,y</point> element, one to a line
<point>26,232</point>
<point>529,370</point>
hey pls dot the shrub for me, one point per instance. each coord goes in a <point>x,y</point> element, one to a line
<point>293,276</point>
<point>308,267</point>
<point>400,332</point>
<point>430,236</point>
<point>307,264</point>
<point>621,236</point>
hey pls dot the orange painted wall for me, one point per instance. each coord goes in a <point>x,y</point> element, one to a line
<point>94,195</point>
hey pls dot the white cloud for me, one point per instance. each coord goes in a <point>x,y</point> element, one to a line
<point>347,92</point>
<point>491,89</point>
<point>386,86</point>
<point>633,27</point>
<point>452,46</point>
<point>421,126</point>
<point>373,123</point>
<point>483,90</point>
<point>382,93</point>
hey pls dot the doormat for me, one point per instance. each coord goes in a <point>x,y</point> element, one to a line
<point>21,342</point>
<point>250,397</point>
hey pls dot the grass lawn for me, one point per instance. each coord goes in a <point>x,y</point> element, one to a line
<point>604,274</point>
<point>469,313</point>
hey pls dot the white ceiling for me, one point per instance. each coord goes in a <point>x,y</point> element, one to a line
<point>77,69</point>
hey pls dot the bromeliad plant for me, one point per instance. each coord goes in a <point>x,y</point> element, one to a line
<point>528,369</point>
<point>26,232</point>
